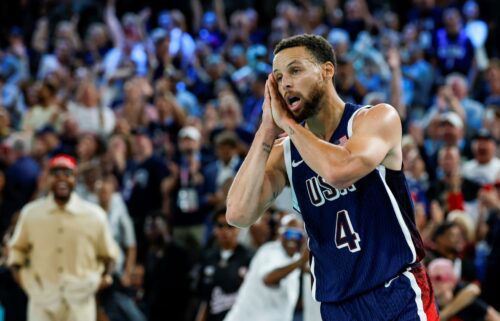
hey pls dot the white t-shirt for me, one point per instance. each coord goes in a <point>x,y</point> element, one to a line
<point>257,301</point>
<point>92,119</point>
<point>482,173</point>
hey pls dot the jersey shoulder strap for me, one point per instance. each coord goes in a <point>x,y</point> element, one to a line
<point>287,150</point>
<point>349,123</point>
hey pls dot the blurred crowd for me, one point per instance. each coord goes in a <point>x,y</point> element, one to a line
<point>159,100</point>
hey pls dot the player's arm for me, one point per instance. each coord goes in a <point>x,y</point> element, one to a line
<point>258,182</point>
<point>261,177</point>
<point>376,133</point>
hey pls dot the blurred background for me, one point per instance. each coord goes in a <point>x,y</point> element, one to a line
<point>159,102</point>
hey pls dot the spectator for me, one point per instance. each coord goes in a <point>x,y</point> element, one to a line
<point>11,99</point>
<point>477,30</point>
<point>224,167</point>
<point>97,44</point>
<point>485,167</point>
<point>128,55</point>
<point>187,193</point>
<point>493,82</point>
<point>99,119</point>
<point>58,62</point>
<point>231,118</point>
<point>457,299</point>
<point>135,108</point>
<point>449,242</point>
<point>451,129</point>
<point>349,88</point>
<point>167,267</point>
<point>473,109</point>
<point>420,72</point>
<point>451,188</point>
<point>141,182</point>
<point>117,305</point>
<point>115,158</point>
<point>45,112</point>
<point>121,226</point>
<point>453,48</point>
<point>168,119</point>
<point>271,287</point>
<point>21,178</point>
<point>253,102</point>
<point>66,256</point>
<point>221,271</point>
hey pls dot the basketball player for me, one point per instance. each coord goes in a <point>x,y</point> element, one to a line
<point>344,165</point>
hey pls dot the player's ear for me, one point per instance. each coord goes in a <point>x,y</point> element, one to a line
<point>328,70</point>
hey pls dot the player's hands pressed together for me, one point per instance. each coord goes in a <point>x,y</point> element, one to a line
<point>281,115</point>
<point>268,122</point>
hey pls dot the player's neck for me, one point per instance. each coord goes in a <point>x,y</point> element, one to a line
<point>328,118</point>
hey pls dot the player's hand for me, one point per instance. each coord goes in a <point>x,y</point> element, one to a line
<point>281,115</point>
<point>268,123</point>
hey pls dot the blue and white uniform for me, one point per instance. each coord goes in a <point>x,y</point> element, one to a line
<point>361,237</point>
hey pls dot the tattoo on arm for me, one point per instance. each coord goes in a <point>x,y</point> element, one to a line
<point>290,131</point>
<point>267,147</point>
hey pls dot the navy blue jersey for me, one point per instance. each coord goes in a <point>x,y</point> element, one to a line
<point>359,237</point>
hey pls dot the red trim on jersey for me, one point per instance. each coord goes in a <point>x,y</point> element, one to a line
<point>428,300</point>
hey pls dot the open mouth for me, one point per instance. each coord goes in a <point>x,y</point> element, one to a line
<point>293,102</point>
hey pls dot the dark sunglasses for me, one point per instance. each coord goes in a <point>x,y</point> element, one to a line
<point>61,171</point>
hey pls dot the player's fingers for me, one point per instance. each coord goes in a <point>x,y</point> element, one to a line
<point>272,87</point>
<point>267,95</point>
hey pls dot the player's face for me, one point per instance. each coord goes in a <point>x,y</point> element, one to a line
<point>300,81</point>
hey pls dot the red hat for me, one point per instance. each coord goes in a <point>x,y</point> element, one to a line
<point>64,161</point>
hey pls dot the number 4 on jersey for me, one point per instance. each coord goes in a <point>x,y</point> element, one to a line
<point>344,233</point>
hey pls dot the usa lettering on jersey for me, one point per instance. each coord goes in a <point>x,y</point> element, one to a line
<point>320,191</point>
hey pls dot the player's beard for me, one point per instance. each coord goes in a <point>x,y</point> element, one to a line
<point>311,105</point>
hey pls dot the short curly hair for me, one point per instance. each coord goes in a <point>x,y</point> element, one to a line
<point>318,46</point>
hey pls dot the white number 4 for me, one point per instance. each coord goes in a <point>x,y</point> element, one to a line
<point>344,233</point>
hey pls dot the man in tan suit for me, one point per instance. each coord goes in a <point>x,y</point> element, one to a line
<point>62,250</point>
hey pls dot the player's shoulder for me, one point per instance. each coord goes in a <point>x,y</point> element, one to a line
<point>377,111</point>
<point>380,115</point>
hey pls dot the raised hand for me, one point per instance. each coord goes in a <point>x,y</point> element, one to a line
<point>281,115</point>
<point>268,122</point>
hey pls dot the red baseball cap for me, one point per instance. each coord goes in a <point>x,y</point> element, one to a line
<point>63,161</point>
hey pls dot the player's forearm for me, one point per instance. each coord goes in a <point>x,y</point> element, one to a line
<point>328,160</point>
<point>244,204</point>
